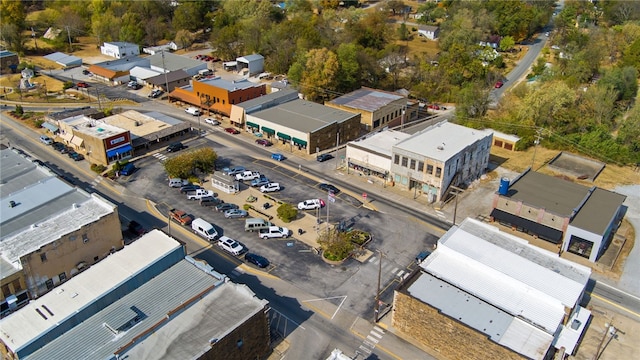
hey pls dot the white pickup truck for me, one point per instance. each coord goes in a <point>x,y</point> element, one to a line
<point>247,175</point>
<point>199,194</point>
<point>274,232</point>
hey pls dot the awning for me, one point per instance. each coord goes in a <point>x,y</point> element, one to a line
<point>67,136</point>
<point>253,125</point>
<point>299,142</point>
<point>368,166</point>
<point>120,150</point>
<point>268,131</point>
<point>54,129</point>
<point>77,141</point>
<point>284,136</point>
<point>542,231</point>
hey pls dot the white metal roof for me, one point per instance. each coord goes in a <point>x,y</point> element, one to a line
<point>381,142</point>
<point>26,325</point>
<point>442,140</point>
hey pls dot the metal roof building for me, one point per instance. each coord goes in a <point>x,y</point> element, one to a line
<point>166,61</point>
<point>517,295</point>
<point>146,301</point>
<point>377,108</point>
<point>64,60</point>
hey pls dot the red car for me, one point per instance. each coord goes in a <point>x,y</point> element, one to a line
<point>498,85</point>
<point>263,142</point>
<point>233,131</point>
<point>434,107</point>
<point>82,85</point>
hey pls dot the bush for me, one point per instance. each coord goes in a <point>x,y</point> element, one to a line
<point>67,85</point>
<point>19,110</point>
<point>246,207</point>
<point>336,246</point>
<point>98,168</point>
<point>287,213</point>
<point>359,237</point>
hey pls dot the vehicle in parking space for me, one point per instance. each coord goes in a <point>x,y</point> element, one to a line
<point>233,131</point>
<point>46,140</point>
<point>211,121</point>
<point>210,201</point>
<point>262,180</point>
<point>329,188</point>
<point>233,170</point>
<point>274,232</point>
<point>177,182</point>
<point>176,146</point>
<point>225,206</point>
<point>270,187</point>
<point>128,169</point>
<point>193,111</point>
<point>324,157</point>
<point>204,229</point>
<point>180,216</point>
<point>86,72</point>
<point>133,85</point>
<point>76,157</point>
<point>256,224</point>
<point>65,149</point>
<point>311,204</point>
<point>231,246</point>
<point>259,261</point>
<point>264,142</point>
<point>277,157</point>
<point>82,84</point>
<point>199,194</point>
<point>135,228</point>
<point>421,256</point>
<point>71,153</point>
<point>155,93</point>
<point>247,175</point>
<point>57,146</point>
<point>190,187</point>
<point>235,213</point>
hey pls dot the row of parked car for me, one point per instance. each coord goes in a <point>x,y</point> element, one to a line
<point>61,148</point>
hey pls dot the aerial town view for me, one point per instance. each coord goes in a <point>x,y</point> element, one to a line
<point>319,179</point>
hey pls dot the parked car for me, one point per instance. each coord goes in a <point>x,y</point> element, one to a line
<point>421,256</point>
<point>264,142</point>
<point>57,146</point>
<point>324,157</point>
<point>211,121</point>
<point>226,206</point>
<point>86,72</point>
<point>233,131</point>
<point>133,85</point>
<point>274,232</point>
<point>329,188</point>
<point>76,157</point>
<point>259,261</point>
<point>498,85</point>
<point>128,169</point>
<point>180,217</point>
<point>65,149</point>
<point>46,140</point>
<point>270,187</point>
<point>82,84</point>
<point>135,228</point>
<point>434,106</point>
<point>155,93</point>
<point>235,213</point>
<point>277,157</point>
<point>233,170</point>
<point>71,153</point>
<point>262,180</point>
<point>191,187</point>
<point>210,201</point>
<point>247,175</point>
<point>311,204</point>
<point>177,146</point>
<point>193,111</point>
<point>177,182</point>
<point>231,246</point>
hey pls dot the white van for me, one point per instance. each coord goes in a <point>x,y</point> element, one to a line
<point>205,72</point>
<point>256,224</point>
<point>177,182</point>
<point>204,229</point>
<point>193,111</point>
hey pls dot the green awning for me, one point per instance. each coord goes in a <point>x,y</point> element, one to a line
<point>299,142</point>
<point>268,131</point>
<point>253,125</point>
<point>284,136</point>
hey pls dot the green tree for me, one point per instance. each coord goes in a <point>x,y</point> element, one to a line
<point>185,164</point>
<point>184,38</point>
<point>319,75</point>
<point>335,245</point>
<point>507,43</point>
<point>349,68</point>
<point>190,15</point>
<point>130,30</point>
<point>287,212</point>
<point>622,80</point>
<point>473,101</point>
<point>631,54</point>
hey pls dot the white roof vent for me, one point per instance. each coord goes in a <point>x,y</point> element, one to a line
<point>441,147</point>
<point>75,206</point>
<point>33,226</point>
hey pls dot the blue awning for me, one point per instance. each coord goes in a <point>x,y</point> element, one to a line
<point>54,129</point>
<point>120,150</point>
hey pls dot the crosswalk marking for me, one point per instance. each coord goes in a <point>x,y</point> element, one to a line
<point>365,349</point>
<point>379,336</point>
<point>160,156</point>
<point>378,329</point>
<point>372,339</point>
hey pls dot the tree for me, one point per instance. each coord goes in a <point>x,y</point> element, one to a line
<point>184,38</point>
<point>287,212</point>
<point>473,101</point>
<point>336,246</point>
<point>190,15</point>
<point>130,30</point>
<point>507,43</point>
<point>349,68</point>
<point>319,75</point>
<point>184,165</point>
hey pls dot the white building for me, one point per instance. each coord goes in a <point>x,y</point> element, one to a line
<point>372,155</point>
<point>119,50</point>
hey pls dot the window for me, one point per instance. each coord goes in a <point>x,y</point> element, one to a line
<point>413,164</point>
<point>5,290</point>
<point>16,285</point>
<point>85,239</point>
<point>62,276</point>
<point>421,166</point>
<point>43,257</point>
<point>96,258</point>
<point>405,161</point>
<point>438,172</point>
<point>396,159</point>
<point>430,169</point>
<point>49,284</point>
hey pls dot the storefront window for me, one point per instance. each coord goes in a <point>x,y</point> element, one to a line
<point>580,246</point>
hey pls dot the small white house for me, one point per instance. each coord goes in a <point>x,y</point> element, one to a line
<point>120,49</point>
<point>428,31</point>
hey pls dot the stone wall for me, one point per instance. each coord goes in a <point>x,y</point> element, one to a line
<point>447,338</point>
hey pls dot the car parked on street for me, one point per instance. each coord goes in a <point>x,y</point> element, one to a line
<point>225,206</point>
<point>231,246</point>
<point>46,140</point>
<point>270,187</point>
<point>324,157</point>
<point>329,188</point>
<point>264,142</point>
<point>57,146</point>
<point>86,72</point>
<point>128,169</point>
<point>82,84</point>
<point>498,85</point>
<point>232,131</point>
<point>76,157</point>
<point>277,157</point>
<point>177,146</point>
<point>211,121</point>
<point>235,213</point>
<point>311,204</point>
<point>193,111</point>
<point>259,261</point>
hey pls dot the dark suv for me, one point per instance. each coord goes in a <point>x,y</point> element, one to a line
<point>176,147</point>
<point>210,201</point>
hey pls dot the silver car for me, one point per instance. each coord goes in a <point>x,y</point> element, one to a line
<point>235,213</point>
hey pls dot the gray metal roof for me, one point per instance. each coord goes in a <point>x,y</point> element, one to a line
<point>555,195</point>
<point>269,100</point>
<point>63,59</point>
<point>249,58</point>
<point>86,111</point>
<point>367,99</point>
<point>173,75</point>
<point>304,116</point>
<point>172,62</point>
<point>229,85</point>
<point>597,213</point>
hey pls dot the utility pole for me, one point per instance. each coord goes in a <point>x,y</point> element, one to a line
<point>166,80</point>
<point>376,308</point>
<point>536,142</point>
<point>69,36</point>
<point>337,144</point>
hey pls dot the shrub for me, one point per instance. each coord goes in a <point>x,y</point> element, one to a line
<point>287,213</point>
<point>246,207</point>
<point>359,237</point>
<point>336,246</point>
<point>98,168</point>
<point>19,110</point>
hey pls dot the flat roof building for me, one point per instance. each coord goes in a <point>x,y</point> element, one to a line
<point>377,108</point>
<point>148,127</point>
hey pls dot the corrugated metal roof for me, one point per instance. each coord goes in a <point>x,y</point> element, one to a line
<point>275,98</point>
<point>381,142</point>
<point>304,116</point>
<point>173,62</point>
<point>367,99</point>
<point>249,58</point>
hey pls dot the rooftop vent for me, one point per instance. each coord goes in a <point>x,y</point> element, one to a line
<point>441,147</point>
<point>75,206</point>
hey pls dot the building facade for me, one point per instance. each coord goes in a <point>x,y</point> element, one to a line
<point>119,49</point>
<point>100,142</point>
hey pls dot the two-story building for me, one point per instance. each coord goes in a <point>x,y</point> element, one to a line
<point>102,143</point>
<point>120,49</point>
